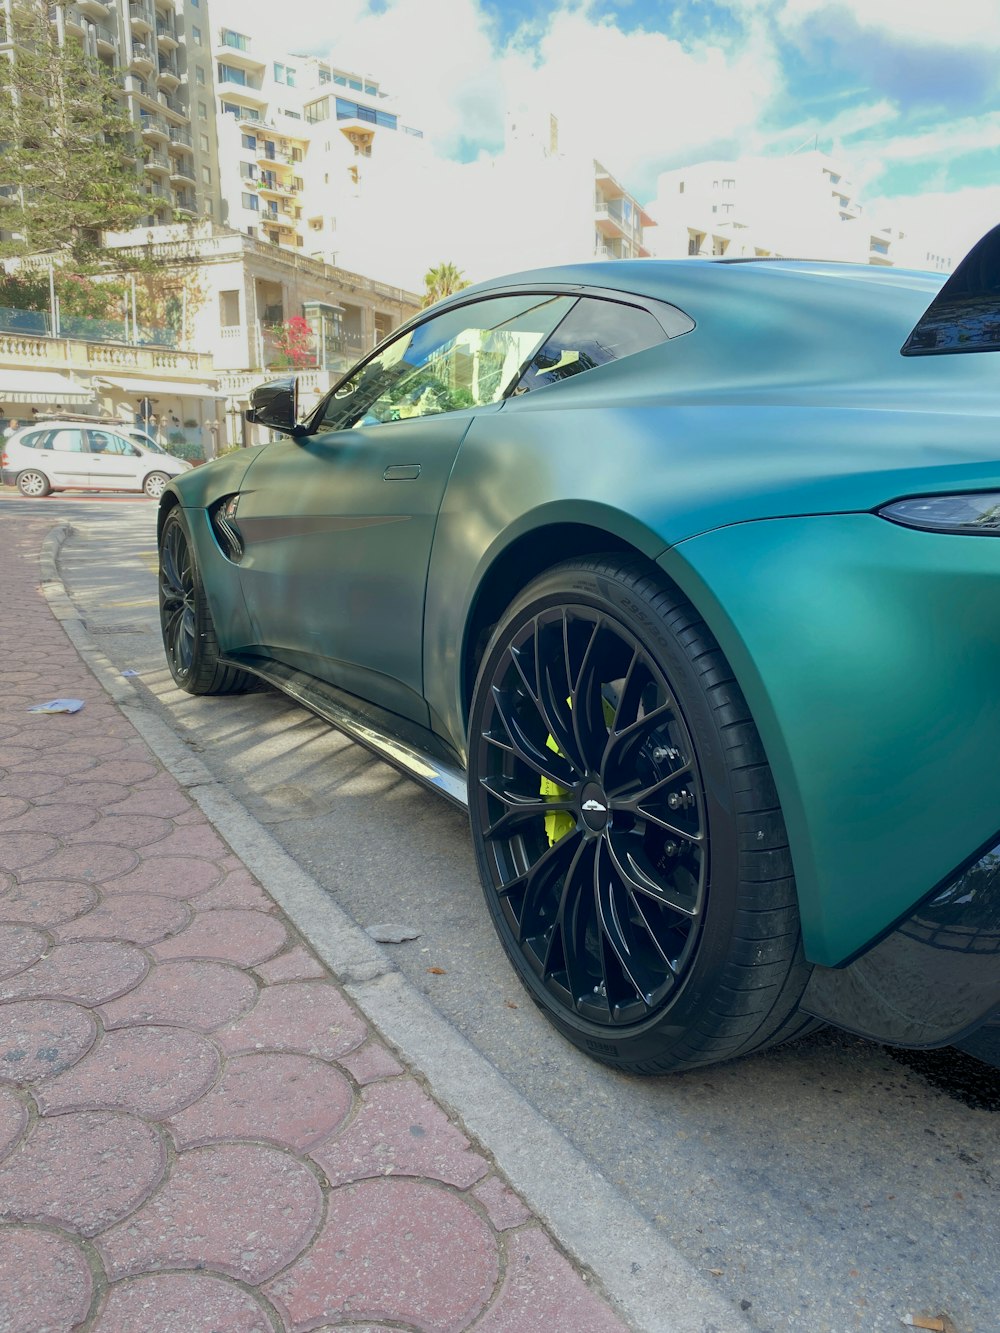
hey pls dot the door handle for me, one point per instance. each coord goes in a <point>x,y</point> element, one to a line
<point>402,472</point>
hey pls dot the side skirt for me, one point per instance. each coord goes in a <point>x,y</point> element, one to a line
<point>406,746</point>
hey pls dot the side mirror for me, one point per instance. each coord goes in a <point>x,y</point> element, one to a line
<point>276,404</point>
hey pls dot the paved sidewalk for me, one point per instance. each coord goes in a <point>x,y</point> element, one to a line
<point>198,1129</point>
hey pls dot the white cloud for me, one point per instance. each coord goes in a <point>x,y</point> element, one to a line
<point>963,23</point>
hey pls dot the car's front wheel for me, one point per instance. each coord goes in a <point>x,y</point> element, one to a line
<point>626,826</point>
<point>155,484</point>
<point>186,623</point>
<point>33,484</point>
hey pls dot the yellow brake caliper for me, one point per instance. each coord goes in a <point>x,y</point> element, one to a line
<point>561,822</point>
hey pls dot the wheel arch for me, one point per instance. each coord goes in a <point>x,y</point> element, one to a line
<point>521,560</point>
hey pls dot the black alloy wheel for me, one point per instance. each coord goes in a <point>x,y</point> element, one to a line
<point>189,638</point>
<point>609,838</point>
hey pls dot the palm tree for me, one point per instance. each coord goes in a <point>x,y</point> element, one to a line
<point>443,281</point>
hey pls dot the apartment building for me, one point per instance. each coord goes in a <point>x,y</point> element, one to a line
<point>308,150</point>
<point>157,49</point>
<point>802,205</point>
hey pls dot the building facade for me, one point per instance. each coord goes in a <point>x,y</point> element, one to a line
<point>801,206</point>
<point>158,51</point>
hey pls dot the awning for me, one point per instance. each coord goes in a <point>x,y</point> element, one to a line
<point>42,386</point>
<point>177,388</point>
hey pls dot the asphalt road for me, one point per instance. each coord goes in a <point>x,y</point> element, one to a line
<point>831,1185</point>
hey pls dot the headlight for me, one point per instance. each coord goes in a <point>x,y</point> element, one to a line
<point>969,514</point>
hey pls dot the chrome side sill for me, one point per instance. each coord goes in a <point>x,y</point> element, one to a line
<point>391,738</point>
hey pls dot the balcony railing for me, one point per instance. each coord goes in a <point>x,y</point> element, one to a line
<point>180,135</point>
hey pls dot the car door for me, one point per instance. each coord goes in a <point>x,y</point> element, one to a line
<point>337,525</point>
<point>63,456</point>
<point>115,464</point>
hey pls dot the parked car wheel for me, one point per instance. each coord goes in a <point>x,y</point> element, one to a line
<point>189,637</point>
<point>33,484</point>
<point>155,484</point>
<point>626,825</point>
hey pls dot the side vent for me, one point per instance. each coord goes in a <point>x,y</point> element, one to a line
<point>222,516</point>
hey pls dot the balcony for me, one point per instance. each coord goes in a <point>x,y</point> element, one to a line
<point>168,75</point>
<point>141,16</point>
<point>94,9</point>
<point>154,128</point>
<point>271,156</point>
<point>233,48</point>
<point>227,82</point>
<point>72,18</point>
<point>181,171</point>
<point>181,138</point>
<point>105,39</point>
<point>185,202</point>
<point>173,104</point>
<point>157,163</point>
<point>166,38</point>
<point>142,59</point>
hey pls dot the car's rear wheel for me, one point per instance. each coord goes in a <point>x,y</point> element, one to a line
<point>155,484</point>
<point>32,483</point>
<point>627,830</point>
<point>189,637</point>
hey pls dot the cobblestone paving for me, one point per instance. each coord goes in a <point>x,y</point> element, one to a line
<point>197,1130</point>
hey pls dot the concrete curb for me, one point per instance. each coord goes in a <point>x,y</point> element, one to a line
<point>652,1286</point>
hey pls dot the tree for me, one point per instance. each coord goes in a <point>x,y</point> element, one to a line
<point>68,145</point>
<point>443,281</point>
<point>293,343</point>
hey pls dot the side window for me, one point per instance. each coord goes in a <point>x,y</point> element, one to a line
<point>592,334</point>
<point>467,357</point>
<point>66,441</point>
<point>38,440</point>
<point>116,445</point>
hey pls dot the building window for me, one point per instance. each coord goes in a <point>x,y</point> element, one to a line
<point>205,145</point>
<point>284,74</point>
<point>297,183</point>
<point>230,74</point>
<point>729,184</point>
<point>196,36</point>
<point>199,75</point>
<point>248,140</point>
<point>358,111</point>
<point>229,309</point>
<point>236,40</point>
<point>252,202</point>
<point>206,175</point>
<point>248,170</point>
<point>203,111</point>
<point>296,154</point>
<point>680,188</point>
<point>325,76</point>
<point>210,207</point>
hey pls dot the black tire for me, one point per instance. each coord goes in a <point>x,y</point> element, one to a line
<point>626,825</point>
<point>33,484</point>
<point>155,484</point>
<point>189,638</point>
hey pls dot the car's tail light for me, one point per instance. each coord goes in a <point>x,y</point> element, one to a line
<point>4,462</point>
<point>977,512</point>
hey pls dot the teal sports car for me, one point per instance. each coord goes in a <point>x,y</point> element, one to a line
<point>683,578</point>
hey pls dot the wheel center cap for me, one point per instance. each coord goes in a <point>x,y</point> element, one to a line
<point>594,807</point>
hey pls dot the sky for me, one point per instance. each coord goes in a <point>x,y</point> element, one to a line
<point>905,93</point>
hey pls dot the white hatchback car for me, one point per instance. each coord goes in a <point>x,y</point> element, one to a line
<point>67,455</point>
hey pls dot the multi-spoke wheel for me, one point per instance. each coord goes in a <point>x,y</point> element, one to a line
<point>33,484</point>
<point>629,840</point>
<point>185,619</point>
<point>155,484</point>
